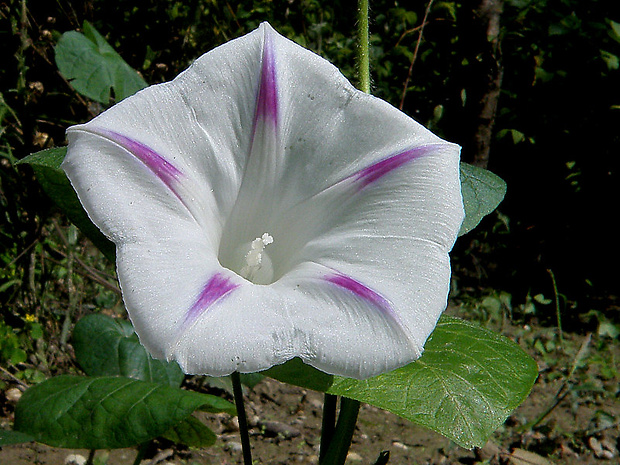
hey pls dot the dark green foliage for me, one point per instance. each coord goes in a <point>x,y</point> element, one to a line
<point>8,437</point>
<point>191,432</point>
<point>559,91</point>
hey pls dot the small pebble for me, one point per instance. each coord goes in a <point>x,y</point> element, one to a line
<point>75,459</point>
<point>316,403</point>
<point>230,424</point>
<point>276,428</point>
<point>602,449</point>
<point>233,446</point>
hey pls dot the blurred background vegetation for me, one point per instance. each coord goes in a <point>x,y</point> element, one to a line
<point>529,88</point>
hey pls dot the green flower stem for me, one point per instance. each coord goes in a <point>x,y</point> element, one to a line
<point>340,443</point>
<point>328,425</point>
<point>363,47</point>
<point>243,421</point>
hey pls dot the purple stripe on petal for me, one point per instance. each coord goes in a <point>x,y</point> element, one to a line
<point>216,288</point>
<point>267,104</point>
<point>377,170</point>
<point>162,168</point>
<point>361,291</point>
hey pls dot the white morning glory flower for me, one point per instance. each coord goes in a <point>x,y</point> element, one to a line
<point>264,209</point>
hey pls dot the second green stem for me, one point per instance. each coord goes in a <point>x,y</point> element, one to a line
<point>363,47</point>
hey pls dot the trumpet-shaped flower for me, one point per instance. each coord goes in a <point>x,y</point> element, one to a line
<point>263,209</point>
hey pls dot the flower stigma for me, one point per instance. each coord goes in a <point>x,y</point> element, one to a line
<point>258,267</point>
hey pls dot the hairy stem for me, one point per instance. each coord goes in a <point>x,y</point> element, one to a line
<point>363,47</point>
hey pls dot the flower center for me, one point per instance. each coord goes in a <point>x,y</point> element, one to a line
<point>257,267</point>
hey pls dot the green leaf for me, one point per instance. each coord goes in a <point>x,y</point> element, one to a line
<point>298,373</point>
<point>614,33</point>
<point>93,67</point>
<point>106,413</point>
<point>224,383</point>
<point>5,111</point>
<point>251,379</point>
<point>482,193</point>
<point>191,432</point>
<point>46,166</point>
<point>105,346</point>
<point>13,437</point>
<point>464,386</point>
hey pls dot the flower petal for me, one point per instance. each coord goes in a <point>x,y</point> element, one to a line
<point>303,315</point>
<point>324,131</point>
<point>215,289</point>
<point>325,128</point>
<point>397,233</point>
<point>360,290</point>
<point>200,123</point>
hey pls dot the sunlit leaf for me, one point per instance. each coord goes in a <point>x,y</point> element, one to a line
<point>614,33</point>
<point>93,67</point>
<point>464,386</point>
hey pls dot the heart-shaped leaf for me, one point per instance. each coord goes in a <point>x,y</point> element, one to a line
<point>298,373</point>
<point>464,386</point>
<point>482,192</point>
<point>107,412</point>
<point>93,67</point>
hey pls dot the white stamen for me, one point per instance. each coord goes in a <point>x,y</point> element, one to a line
<point>254,258</point>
